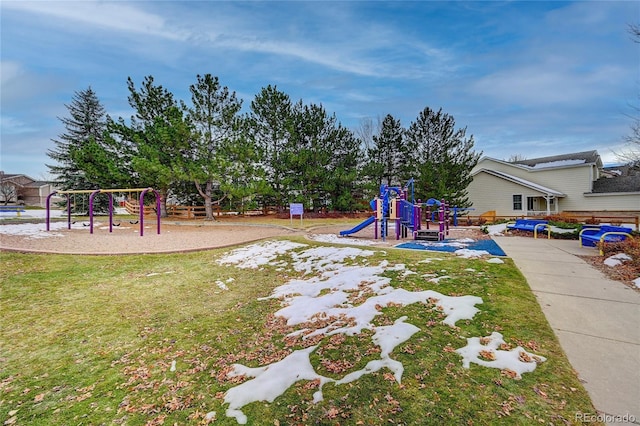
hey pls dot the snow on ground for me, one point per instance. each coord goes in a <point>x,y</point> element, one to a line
<point>342,276</point>
<point>616,259</point>
<point>334,239</point>
<point>484,351</point>
<point>39,230</point>
<point>470,254</point>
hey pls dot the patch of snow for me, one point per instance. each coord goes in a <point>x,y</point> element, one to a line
<point>561,230</point>
<point>221,285</point>
<point>270,382</point>
<point>37,230</point>
<point>617,259</point>
<point>517,360</point>
<point>321,258</point>
<point>470,254</point>
<point>430,259</point>
<point>260,254</point>
<point>334,239</point>
<point>495,260</point>
<point>559,163</point>
<point>636,282</point>
<point>497,229</point>
<point>436,280</point>
<point>173,365</point>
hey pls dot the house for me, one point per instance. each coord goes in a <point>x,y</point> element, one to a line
<point>21,189</point>
<point>575,182</point>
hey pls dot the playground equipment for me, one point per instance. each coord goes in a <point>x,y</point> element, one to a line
<point>93,193</point>
<point>398,206</point>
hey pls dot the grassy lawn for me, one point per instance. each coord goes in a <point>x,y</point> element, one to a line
<point>151,339</point>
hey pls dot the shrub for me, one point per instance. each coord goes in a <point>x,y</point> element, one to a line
<point>561,219</point>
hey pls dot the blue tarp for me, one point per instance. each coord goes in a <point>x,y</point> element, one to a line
<point>450,246</point>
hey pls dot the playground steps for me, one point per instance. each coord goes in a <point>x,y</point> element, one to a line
<point>428,235</point>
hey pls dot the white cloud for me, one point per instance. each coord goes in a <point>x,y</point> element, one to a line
<point>550,80</point>
<point>8,71</point>
<point>116,16</point>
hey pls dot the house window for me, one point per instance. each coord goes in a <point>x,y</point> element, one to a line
<point>517,201</point>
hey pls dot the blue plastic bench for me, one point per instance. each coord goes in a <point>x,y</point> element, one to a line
<point>528,225</point>
<point>590,237</point>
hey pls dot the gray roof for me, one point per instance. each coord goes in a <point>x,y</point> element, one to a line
<point>586,157</point>
<point>625,178</point>
<point>8,177</point>
<point>617,184</point>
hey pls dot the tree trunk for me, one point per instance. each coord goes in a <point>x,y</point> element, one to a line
<point>163,203</point>
<point>207,201</point>
<point>207,195</point>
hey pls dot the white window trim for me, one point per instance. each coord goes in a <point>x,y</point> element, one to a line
<point>513,202</point>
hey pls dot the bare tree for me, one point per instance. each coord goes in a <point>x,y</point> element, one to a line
<point>516,157</point>
<point>631,152</point>
<point>8,190</point>
<point>367,129</point>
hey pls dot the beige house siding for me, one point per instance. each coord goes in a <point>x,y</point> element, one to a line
<point>608,202</point>
<point>572,181</point>
<point>575,182</point>
<point>488,192</point>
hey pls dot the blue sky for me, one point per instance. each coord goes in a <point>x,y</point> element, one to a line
<point>528,78</point>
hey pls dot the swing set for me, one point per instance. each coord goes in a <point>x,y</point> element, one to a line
<point>109,192</point>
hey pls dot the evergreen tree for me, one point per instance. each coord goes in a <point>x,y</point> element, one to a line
<point>387,156</point>
<point>81,149</point>
<point>270,122</point>
<point>321,158</point>
<point>219,157</point>
<point>442,156</point>
<point>155,142</point>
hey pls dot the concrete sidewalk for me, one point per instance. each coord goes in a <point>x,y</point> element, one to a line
<point>596,320</point>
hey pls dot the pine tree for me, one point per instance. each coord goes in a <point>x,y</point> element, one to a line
<point>219,156</point>
<point>321,159</point>
<point>387,156</point>
<point>269,126</point>
<point>155,141</point>
<point>84,131</point>
<point>442,156</point>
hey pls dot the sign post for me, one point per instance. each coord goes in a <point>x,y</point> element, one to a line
<point>296,209</point>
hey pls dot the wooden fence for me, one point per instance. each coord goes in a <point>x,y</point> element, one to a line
<point>491,217</point>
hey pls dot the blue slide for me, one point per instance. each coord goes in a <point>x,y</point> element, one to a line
<point>359,227</point>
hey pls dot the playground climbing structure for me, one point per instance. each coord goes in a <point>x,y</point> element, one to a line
<point>396,206</point>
